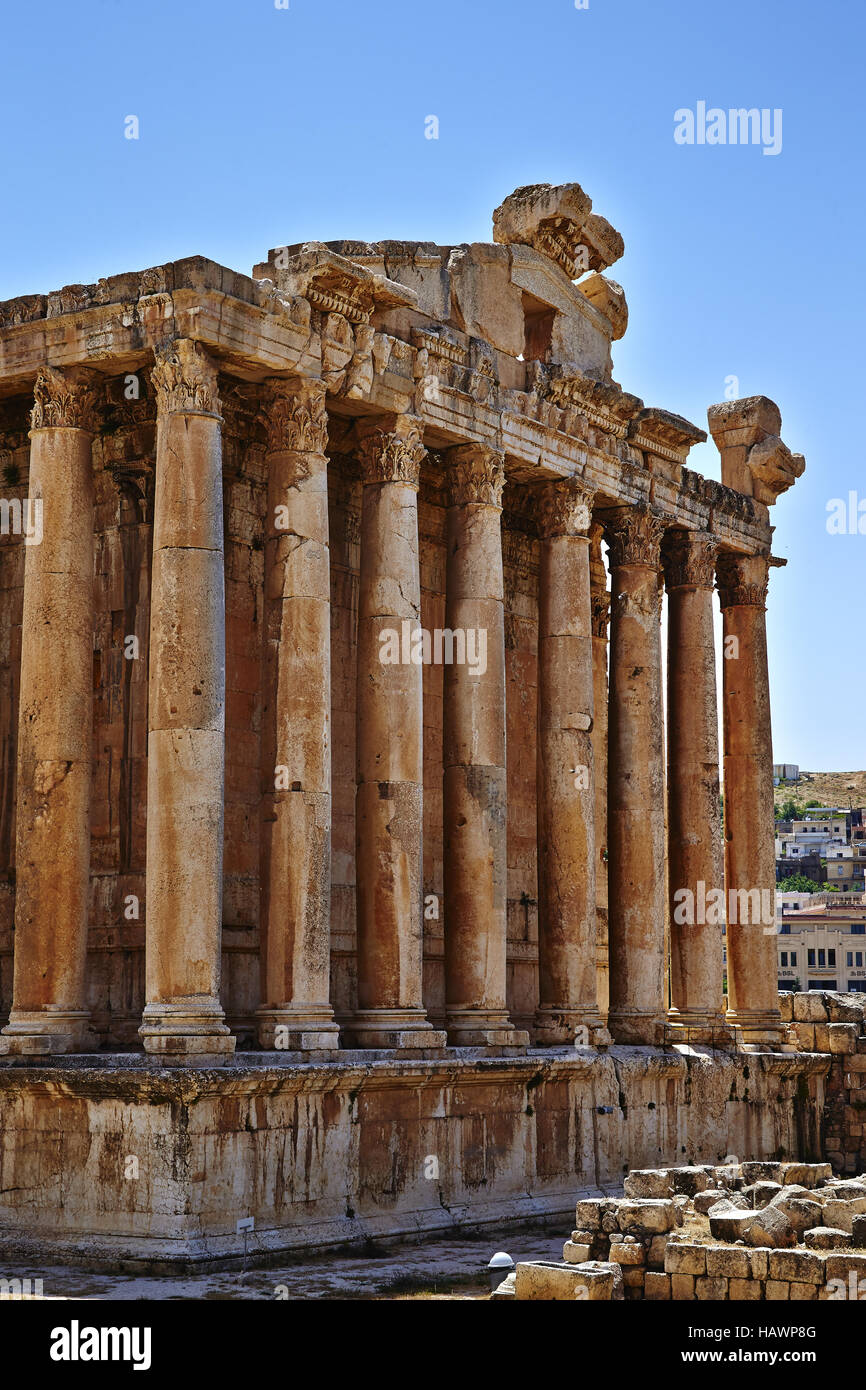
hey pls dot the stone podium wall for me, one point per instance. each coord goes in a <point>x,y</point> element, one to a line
<point>120,1161</point>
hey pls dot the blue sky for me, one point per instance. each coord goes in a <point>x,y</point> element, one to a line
<point>261,126</point>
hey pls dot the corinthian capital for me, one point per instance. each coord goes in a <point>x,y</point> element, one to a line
<point>476,474</point>
<point>66,398</point>
<point>294,415</point>
<point>185,380</point>
<point>392,456</point>
<point>565,509</point>
<point>690,560</point>
<point>634,535</point>
<point>742,580</point>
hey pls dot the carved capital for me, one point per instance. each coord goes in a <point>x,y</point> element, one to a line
<point>690,560</point>
<point>634,535</point>
<point>184,379</point>
<point>565,509</point>
<point>67,398</point>
<point>742,580</point>
<point>392,456</point>
<point>476,474</point>
<point>294,415</point>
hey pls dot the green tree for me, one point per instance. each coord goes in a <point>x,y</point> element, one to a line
<point>799,883</point>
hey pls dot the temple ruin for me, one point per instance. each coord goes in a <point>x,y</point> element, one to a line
<point>335,788</point>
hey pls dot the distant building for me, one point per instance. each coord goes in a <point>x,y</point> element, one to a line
<point>821,941</point>
<point>785,772</point>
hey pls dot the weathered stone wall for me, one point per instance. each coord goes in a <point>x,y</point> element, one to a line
<point>321,1155</point>
<point>836,1023</point>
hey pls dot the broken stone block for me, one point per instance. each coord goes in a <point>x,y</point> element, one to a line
<point>769,1227</point>
<point>858,1231</point>
<point>730,1202</point>
<point>628,1255</point>
<point>650,1217</point>
<point>826,1238</point>
<point>808,1175</point>
<point>760,1194</point>
<point>648,1182</point>
<point>802,1213</point>
<point>588,1214</point>
<point>690,1181</point>
<point>705,1200</point>
<point>841,1215</point>
<point>753,1172</point>
<point>574,1254</point>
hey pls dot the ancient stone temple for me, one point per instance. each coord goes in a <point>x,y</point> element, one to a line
<point>335,787</point>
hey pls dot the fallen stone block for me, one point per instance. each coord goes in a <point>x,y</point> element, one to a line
<point>705,1200</point>
<point>755,1171</point>
<point>858,1231</point>
<point>841,1214</point>
<point>760,1194</point>
<point>650,1216</point>
<point>769,1227</point>
<point>734,1202</point>
<point>808,1175</point>
<point>689,1181</point>
<point>826,1238</point>
<point>589,1213</point>
<point>801,1213</point>
<point>648,1182</point>
<point>574,1254</point>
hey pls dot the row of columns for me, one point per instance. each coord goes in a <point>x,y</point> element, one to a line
<point>591,846</point>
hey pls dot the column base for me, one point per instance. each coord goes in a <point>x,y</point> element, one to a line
<point>484,1028</point>
<point>569,1027</point>
<point>186,1034</point>
<point>47,1032</point>
<point>757,1030</point>
<point>298,1028</point>
<point>393,1028</point>
<point>636,1029</point>
<point>702,1027</point>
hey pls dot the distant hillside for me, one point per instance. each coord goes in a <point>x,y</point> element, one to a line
<point>830,788</point>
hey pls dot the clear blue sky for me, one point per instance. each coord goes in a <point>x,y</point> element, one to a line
<point>261,126</point>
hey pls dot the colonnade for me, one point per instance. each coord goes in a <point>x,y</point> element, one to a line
<point>621,801</point>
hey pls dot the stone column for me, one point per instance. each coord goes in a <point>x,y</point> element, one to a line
<point>695,877</point>
<point>636,810</point>
<point>474,784</point>
<point>750,866</point>
<point>568,1005</point>
<point>186,717</point>
<point>55,727</point>
<point>295,870</point>
<point>600,598</point>
<point>388,807</point>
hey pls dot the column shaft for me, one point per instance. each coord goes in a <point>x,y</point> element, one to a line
<point>474,785</point>
<point>750,868</point>
<point>636,813</point>
<point>695,877</point>
<point>55,729</point>
<point>568,1007</point>
<point>600,618</point>
<point>295,861</point>
<point>389,802</point>
<point>186,717</point>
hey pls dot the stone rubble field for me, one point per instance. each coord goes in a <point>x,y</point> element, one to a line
<point>746,1231</point>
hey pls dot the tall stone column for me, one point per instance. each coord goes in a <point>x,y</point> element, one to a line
<point>295,870</point>
<point>568,1004</point>
<point>389,801</point>
<point>695,876</point>
<point>55,727</point>
<point>600,598</point>
<point>474,784</point>
<point>636,811</point>
<point>750,867</point>
<point>186,717</point>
